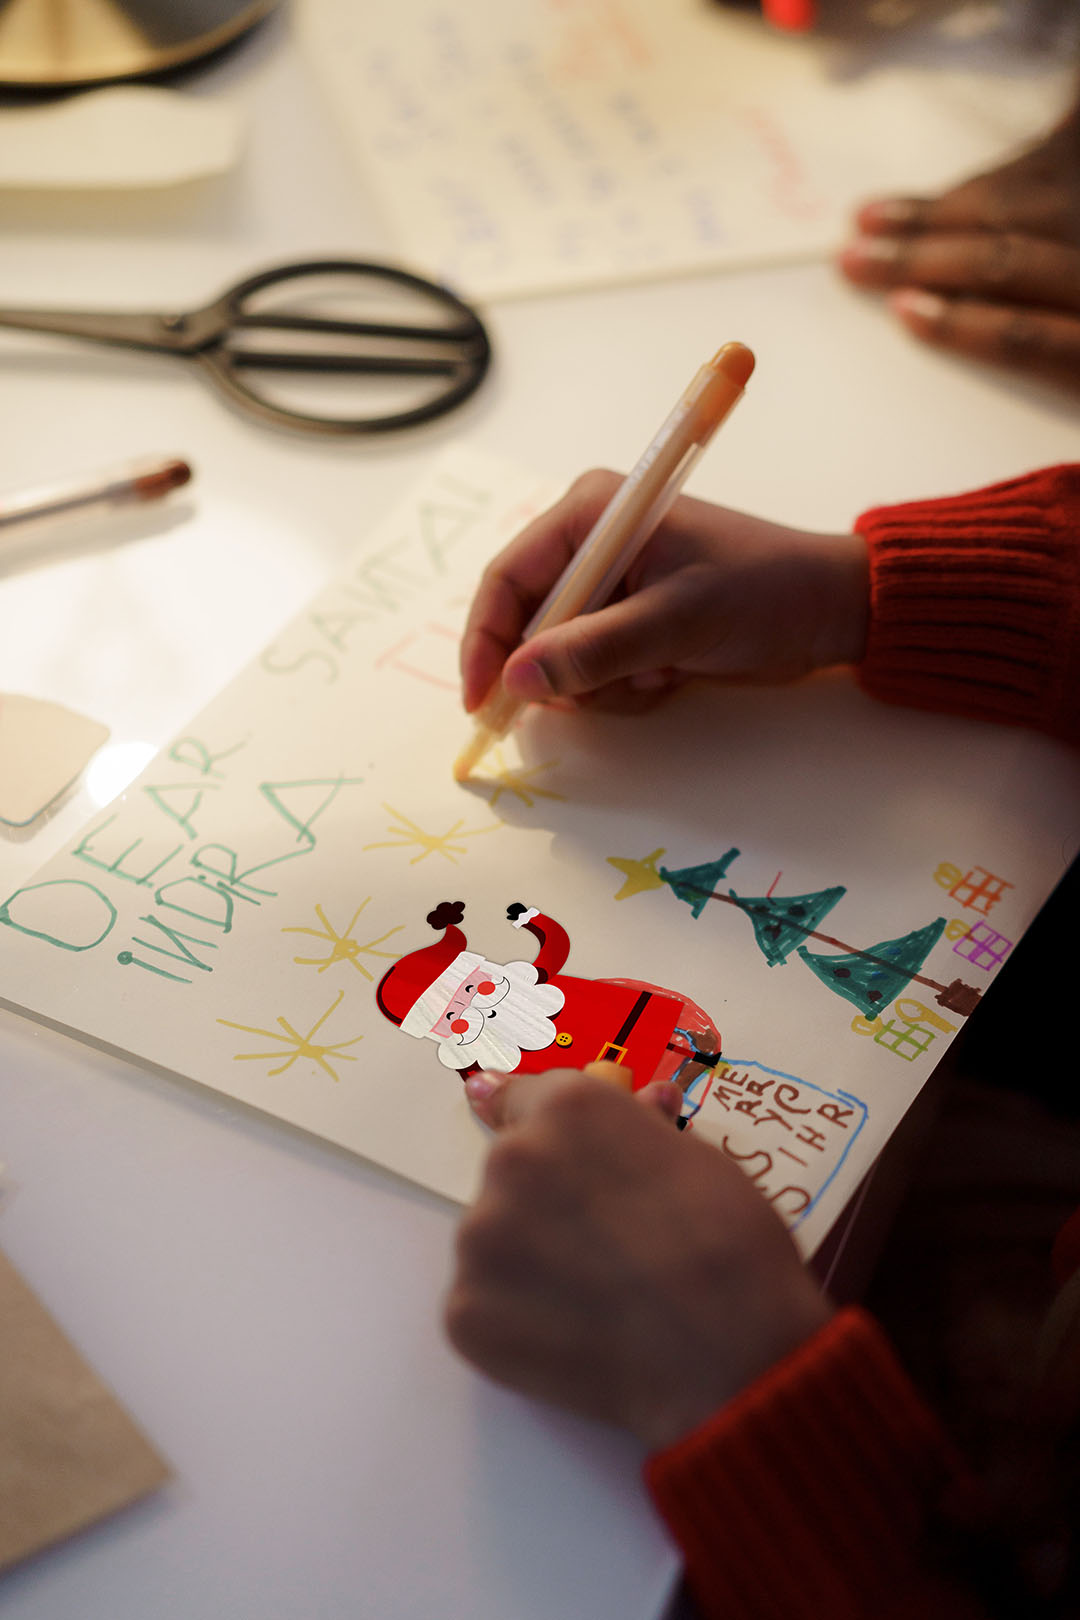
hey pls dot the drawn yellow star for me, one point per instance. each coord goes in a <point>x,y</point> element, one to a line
<point>409,834</point>
<point>343,948</point>
<point>303,1044</point>
<point>640,875</point>
<point>515,779</point>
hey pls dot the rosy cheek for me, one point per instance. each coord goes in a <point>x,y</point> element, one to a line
<point>485,988</point>
<point>458,1027</point>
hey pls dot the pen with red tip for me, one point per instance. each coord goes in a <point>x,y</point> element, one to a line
<point>145,480</point>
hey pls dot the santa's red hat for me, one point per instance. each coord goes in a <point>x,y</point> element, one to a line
<point>415,991</point>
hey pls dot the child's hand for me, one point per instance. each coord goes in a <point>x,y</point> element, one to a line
<point>617,1268</point>
<point>714,593</point>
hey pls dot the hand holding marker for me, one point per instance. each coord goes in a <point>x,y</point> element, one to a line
<point>625,525</point>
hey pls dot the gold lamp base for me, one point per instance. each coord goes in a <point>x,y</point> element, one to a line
<point>53,43</point>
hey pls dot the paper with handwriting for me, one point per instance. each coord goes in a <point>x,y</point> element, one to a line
<point>788,901</point>
<point>525,147</point>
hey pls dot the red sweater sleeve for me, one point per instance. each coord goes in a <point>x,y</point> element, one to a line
<point>975,602</point>
<point>816,1493</point>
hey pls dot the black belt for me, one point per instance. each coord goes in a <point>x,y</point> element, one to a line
<point>614,1051</point>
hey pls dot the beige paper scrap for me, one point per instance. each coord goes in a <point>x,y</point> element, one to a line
<point>123,138</point>
<point>69,1454</point>
<point>43,748</point>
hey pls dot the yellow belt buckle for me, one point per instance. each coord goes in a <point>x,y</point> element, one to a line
<point>610,1052</point>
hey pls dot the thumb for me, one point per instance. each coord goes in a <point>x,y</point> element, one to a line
<point>650,630</point>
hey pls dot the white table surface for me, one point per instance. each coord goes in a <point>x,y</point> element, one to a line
<point>268,1306</point>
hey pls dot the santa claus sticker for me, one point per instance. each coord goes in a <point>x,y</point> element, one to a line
<point>531,1016</point>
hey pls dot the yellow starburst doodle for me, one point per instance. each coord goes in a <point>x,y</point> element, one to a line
<point>516,779</point>
<point>303,1045</point>
<point>343,947</point>
<point>639,875</point>
<point>409,834</point>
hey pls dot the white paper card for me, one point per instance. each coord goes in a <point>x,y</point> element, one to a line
<point>825,878</point>
<point>126,137</point>
<point>531,146</point>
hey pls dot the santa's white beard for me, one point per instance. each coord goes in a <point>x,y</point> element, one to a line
<point>519,1021</point>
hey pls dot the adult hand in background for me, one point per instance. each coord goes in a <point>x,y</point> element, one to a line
<point>714,593</point>
<point>990,269</point>
<point>616,1267</point>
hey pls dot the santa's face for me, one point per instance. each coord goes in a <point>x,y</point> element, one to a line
<point>484,987</point>
<point>496,1013</point>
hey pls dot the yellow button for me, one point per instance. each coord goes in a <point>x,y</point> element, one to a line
<point>563,1038</point>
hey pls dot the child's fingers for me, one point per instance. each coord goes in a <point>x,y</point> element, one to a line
<point>637,695</point>
<point>642,634</point>
<point>893,214</point>
<point>516,582</point>
<point>1044,343</point>
<point>1001,266</point>
<point>511,1099</point>
<point>1015,198</point>
<point>973,206</point>
<point>499,1100</point>
<point>662,1095</point>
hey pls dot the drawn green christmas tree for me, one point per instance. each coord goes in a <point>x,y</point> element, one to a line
<point>783,921</point>
<point>695,884</point>
<point>872,978</point>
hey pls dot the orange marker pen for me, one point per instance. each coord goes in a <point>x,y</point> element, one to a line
<point>619,534</point>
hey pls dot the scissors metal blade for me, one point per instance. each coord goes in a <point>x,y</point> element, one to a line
<point>180,334</point>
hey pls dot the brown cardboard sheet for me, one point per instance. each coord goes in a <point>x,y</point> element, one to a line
<point>69,1454</point>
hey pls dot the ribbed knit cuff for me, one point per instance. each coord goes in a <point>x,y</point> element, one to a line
<point>975,602</point>
<point>810,1494</point>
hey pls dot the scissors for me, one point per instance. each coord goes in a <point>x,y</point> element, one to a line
<point>453,354</point>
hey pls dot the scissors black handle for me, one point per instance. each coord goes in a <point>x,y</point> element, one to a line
<point>386,329</point>
<point>457,350</point>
